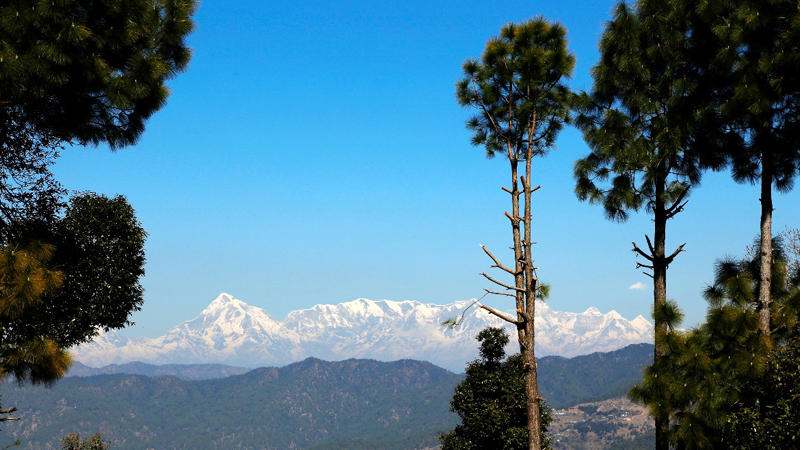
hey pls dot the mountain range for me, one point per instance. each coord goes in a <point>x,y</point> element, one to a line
<point>229,331</point>
<point>310,405</point>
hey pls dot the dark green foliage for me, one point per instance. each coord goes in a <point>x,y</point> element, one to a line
<point>773,421</point>
<point>349,404</point>
<point>74,442</point>
<point>100,249</point>
<point>25,284</point>
<point>713,372</point>
<point>755,81</point>
<point>491,401</point>
<point>91,71</point>
<point>636,119</point>
<point>519,88</point>
<point>757,72</point>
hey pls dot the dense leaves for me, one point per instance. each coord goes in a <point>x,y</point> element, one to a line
<point>30,197</point>
<point>773,421</point>
<point>519,88</point>
<point>54,297</point>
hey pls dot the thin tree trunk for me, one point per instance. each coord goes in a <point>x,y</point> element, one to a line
<point>765,284</point>
<point>529,350</point>
<point>659,300</point>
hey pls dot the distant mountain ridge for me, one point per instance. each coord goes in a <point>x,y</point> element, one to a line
<point>229,331</point>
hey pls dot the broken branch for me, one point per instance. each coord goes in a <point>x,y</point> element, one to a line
<point>499,314</point>
<point>500,293</point>
<point>512,288</point>
<point>496,262</point>
<point>639,251</point>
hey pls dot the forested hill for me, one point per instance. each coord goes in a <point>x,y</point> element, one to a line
<point>568,381</point>
<point>313,404</point>
<point>366,403</point>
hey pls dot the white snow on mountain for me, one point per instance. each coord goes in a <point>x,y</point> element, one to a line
<point>230,331</point>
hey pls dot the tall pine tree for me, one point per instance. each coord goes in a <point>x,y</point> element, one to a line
<point>756,79</point>
<point>641,125</point>
<point>518,89</point>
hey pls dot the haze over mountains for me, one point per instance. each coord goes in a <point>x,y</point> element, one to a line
<point>229,331</point>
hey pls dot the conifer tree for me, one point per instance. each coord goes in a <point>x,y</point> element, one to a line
<point>90,71</point>
<point>641,128</point>
<point>756,79</point>
<point>25,283</point>
<point>518,89</point>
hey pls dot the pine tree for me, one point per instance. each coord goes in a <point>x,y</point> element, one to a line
<point>518,89</point>
<point>641,126</point>
<point>90,71</point>
<point>756,80</point>
<point>25,283</point>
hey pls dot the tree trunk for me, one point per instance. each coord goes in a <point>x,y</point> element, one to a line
<point>765,284</point>
<point>529,349</point>
<point>659,300</point>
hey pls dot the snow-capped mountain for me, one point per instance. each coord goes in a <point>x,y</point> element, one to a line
<point>229,331</point>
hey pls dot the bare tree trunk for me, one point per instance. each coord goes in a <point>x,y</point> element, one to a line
<point>660,299</point>
<point>528,348</point>
<point>765,284</point>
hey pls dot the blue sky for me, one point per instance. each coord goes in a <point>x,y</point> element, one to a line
<point>314,153</point>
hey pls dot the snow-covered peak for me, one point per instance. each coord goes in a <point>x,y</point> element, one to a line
<point>230,331</point>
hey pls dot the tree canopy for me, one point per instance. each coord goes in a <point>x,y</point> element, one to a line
<point>90,71</point>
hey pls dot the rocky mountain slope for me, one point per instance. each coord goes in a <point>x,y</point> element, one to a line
<point>229,331</point>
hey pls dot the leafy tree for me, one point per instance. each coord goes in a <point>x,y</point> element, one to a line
<point>99,256</point>
<point>100,250</point>
<point>74,442</point>
<point>773,422</point>
<point>756,73</point>
<point>640,123</point>
<point>90,71</point>
<point>490,401</point>
<point>518,87</point>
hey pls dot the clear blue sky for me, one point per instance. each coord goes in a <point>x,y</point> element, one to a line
<point>314,153</point>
